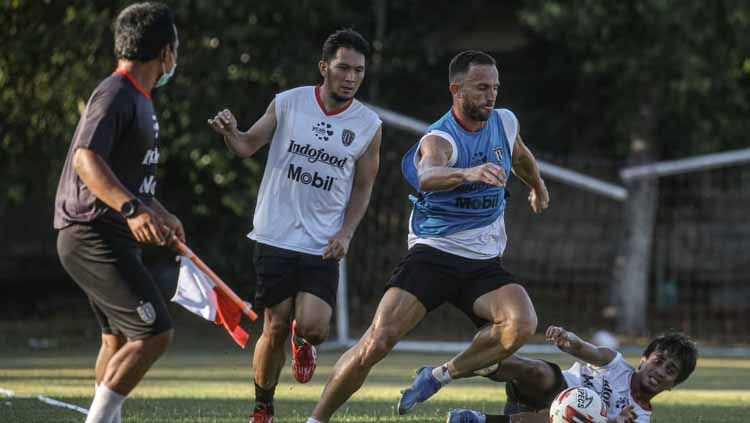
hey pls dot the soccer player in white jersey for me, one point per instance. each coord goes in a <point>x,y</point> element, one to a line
<point>532,384</point>
<point>322,163</point>
<point>457,235</point>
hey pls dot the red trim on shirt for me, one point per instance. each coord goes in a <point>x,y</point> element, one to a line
<point>132,80</point>
<point>323,107</point>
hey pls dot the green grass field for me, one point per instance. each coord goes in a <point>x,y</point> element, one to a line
<point>215,386</point>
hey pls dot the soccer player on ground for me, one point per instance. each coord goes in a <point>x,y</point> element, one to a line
<point>456,238</point>
<point>531,385</point>
<point>321,167</point>
<point>105,206</point>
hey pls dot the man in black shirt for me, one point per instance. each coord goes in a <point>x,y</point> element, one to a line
<point>105,206</point>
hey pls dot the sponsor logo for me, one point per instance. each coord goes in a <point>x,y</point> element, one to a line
<point>347,137</point>
<point>588,381</point>
<point>606,393</point>
<point>621,403</point>
<point>146,312</point>
<point>474,186</point>
<point>297,174</point>
<point>322,131</point>
<point>148,186</point>
<point>498,153</point>
<point>484,202</point>
<point>316,155</point>
<point>583,399</point>
<point>151,157</point>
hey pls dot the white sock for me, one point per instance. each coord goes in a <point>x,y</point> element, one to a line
<point>312,420</point>
<point>442,375</point>
<point>105,406</point>
<point>117,417</point>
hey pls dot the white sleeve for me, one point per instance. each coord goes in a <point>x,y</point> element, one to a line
<point>444,135</point>
<point>510,123</point>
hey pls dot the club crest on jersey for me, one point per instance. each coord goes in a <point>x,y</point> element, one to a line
<point>147,313</point>
<point>347,137</point>
<point>322,131</point>
<point>498,153</point>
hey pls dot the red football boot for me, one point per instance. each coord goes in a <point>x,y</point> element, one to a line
<point>304,358</point>
<point>263,413</point>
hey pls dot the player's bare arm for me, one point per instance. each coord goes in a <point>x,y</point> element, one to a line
<point>526,169</point>
<point>570,343</point>
<point>364,179</point>
<point>145,225</point>
<point>245,144</point>
<point>435,175</point>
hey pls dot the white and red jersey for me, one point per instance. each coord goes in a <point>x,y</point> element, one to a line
<point>612,383</point>
<point>310,170</point>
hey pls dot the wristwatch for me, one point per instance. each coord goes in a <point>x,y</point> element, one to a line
<point>130,208</point>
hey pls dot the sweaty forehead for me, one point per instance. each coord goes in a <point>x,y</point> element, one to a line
<point>486,74</point>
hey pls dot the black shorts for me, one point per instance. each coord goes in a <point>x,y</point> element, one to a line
<point>517,403</point>
<point>109,269</point>
<point>436,277</point>
<point>282,273</point>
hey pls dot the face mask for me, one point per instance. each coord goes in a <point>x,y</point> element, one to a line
<point>166,76</point>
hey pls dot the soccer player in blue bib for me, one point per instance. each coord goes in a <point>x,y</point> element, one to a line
<point>456,238</point>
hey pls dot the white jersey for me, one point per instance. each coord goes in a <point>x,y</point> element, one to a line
<point>310,170</point>
<point>479,243</point>
<point>612,383</point>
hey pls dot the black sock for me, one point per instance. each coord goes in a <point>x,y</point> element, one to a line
<point>264,396</point>
<point>497,418</point>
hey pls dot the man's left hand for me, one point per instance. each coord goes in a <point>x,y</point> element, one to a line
<point>338,246</point>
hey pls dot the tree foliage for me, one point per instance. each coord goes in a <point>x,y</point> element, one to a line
<point>689,59</point>
<point>575,83</point>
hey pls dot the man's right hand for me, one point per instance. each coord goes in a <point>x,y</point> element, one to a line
<point>488,173</point>
<point>146,226</point>
<point>563,339</point>
<point>224,123</point>
<point>627,415</point>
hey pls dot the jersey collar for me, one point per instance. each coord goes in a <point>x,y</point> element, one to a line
<point>135,83</point>
<point>323,107</point>
<point>644,405</point>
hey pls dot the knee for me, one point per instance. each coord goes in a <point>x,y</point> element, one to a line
<point>522,328</point>
<point>157,345</point>
<point>314,333</point>
<point>380,341</point>
<point>512,333</point>
<point>276,331</point>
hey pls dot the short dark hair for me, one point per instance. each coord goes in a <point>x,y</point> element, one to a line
<point>678,347</point>
<point>462,61</point>
<point>142,30</point>
<point>345,38</point>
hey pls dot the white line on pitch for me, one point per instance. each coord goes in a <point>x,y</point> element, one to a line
<point>7,393</point>
<point>56,403</point>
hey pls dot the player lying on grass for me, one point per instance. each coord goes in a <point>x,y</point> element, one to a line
<point>532,385</point>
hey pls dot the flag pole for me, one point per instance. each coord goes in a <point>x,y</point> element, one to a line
<point>246,308</point>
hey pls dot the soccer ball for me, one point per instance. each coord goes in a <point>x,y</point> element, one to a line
<point>578,405</point>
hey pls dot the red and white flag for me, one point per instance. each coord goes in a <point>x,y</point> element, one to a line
<point>197,293</point>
